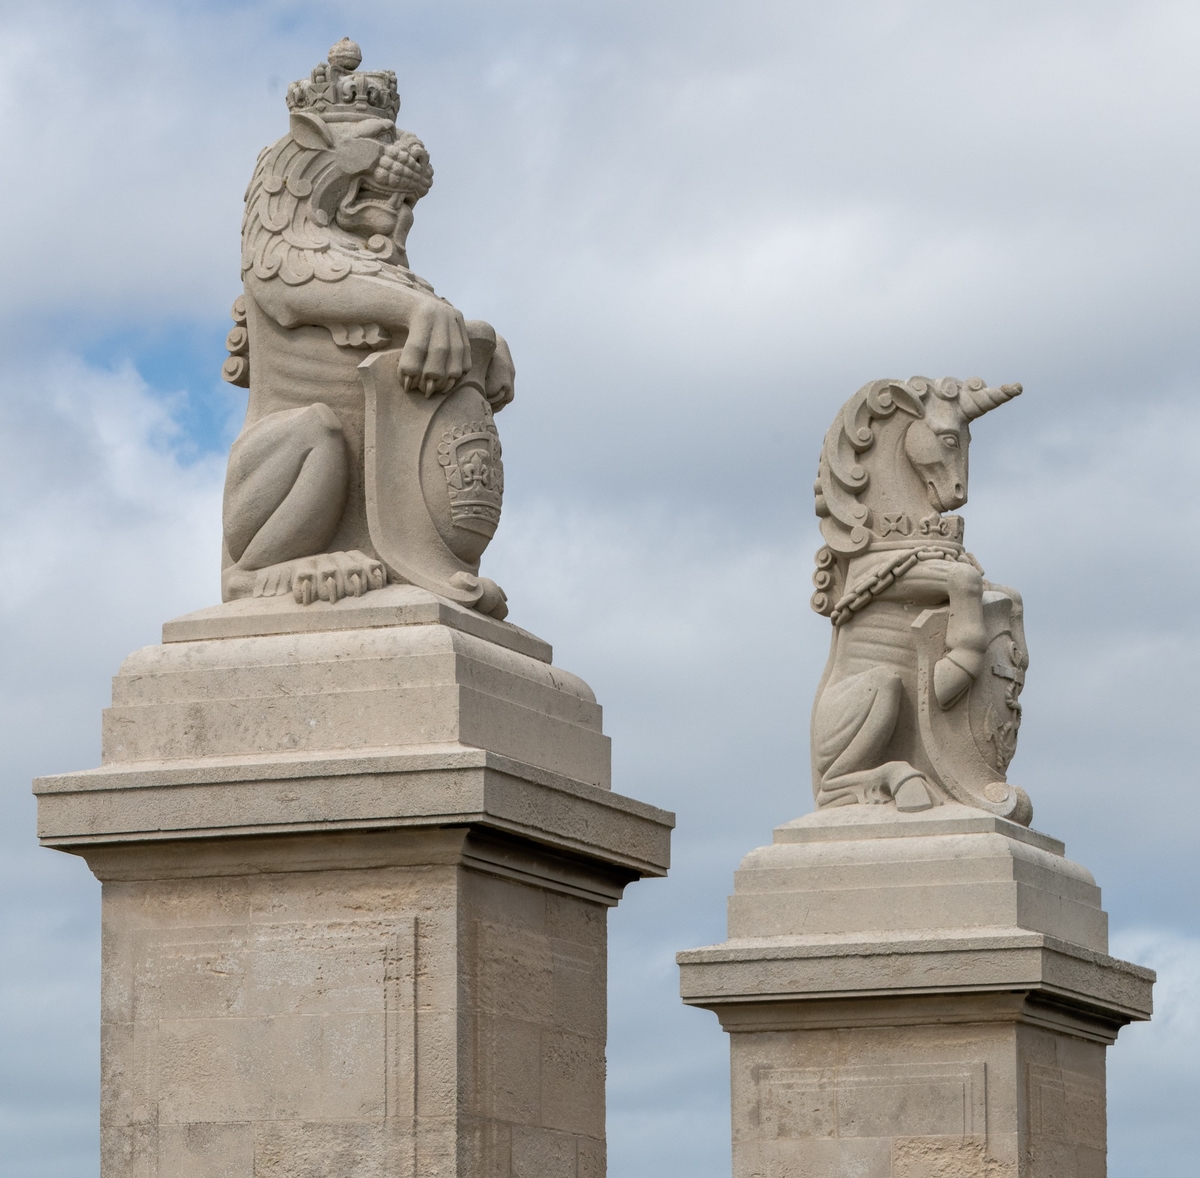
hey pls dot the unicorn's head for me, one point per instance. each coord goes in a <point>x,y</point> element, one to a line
<point>895,459</point>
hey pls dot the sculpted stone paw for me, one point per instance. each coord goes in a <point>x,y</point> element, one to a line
<point>275,581</point>
<point>334,575</point>
<point>437,351</point>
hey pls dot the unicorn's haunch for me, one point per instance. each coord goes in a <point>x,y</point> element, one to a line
<point>918,705</point>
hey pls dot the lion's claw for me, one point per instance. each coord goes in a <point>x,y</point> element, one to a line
<point>302,588</point>
<point>328,577</point>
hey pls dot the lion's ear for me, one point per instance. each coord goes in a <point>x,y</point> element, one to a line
<point>310,130</point>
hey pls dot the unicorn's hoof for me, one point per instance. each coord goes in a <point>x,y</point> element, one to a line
<point>912,796</point>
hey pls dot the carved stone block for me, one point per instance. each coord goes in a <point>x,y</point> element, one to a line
<point>920,994</point>
<point>355,886</point>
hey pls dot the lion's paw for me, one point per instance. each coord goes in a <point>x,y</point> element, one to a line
<point>327,577</point>
<point>334,575</point>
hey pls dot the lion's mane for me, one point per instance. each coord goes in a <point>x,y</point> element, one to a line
<point>287,234</point>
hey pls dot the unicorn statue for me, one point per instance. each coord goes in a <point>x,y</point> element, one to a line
<point>919,703</point>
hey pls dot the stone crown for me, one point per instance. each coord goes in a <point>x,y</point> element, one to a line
<point>339,92</point>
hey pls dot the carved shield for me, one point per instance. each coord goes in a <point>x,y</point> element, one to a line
<point>461,473</point>
<point>434,479</point>
<point>994,706</point>
<point>970,744</point>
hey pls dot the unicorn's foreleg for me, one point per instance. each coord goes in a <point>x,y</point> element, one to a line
<point>966,637</point>
<point>852,726</point>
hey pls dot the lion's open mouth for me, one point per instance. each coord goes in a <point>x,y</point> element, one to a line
<point>362,195</point>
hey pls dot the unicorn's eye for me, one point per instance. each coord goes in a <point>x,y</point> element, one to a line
<point>950,441</point>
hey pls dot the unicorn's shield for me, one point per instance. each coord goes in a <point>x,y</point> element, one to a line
<point>970,744</point>
<point>994,708</point>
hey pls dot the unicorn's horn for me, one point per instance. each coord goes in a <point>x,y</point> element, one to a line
<point>977,400</point>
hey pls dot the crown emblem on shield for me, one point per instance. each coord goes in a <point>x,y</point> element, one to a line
<point>470,457</point>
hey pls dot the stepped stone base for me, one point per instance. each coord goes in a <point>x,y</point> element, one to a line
<point>916,995</point>
<point>356,865</point>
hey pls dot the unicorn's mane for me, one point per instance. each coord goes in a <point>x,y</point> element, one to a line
<point>843,478</point>
<point>864,437</point>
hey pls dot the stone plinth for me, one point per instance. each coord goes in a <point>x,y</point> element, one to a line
<point>916,995</point>
<point>356,864</point>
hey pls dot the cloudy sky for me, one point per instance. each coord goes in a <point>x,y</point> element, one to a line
<point>701,225</point>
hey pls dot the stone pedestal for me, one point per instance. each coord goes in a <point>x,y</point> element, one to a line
<point>916,996</point>
<point>356,864</point>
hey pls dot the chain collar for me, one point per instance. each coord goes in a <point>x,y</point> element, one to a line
<point>866,590</point>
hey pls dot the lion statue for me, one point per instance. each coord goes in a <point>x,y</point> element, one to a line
<point>327,287</point>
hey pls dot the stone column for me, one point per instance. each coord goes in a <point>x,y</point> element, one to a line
<point>356,864</point>
<point>916,996</point>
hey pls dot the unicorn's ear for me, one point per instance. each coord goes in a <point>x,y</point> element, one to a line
<point>906,400</point>
<point>310,130</point>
